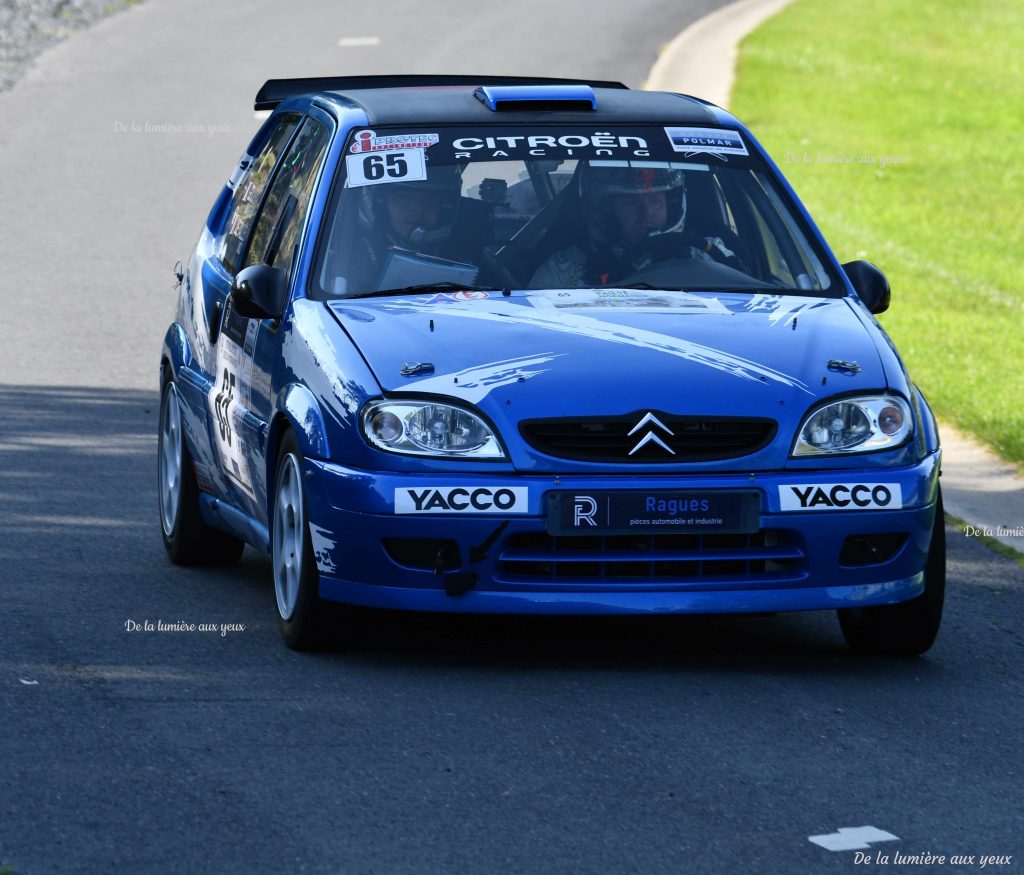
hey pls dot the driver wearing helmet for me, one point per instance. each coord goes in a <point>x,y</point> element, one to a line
<point>428,217</point>
<point>624,210</point>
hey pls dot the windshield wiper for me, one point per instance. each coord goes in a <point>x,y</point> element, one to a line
<point>420,288</point>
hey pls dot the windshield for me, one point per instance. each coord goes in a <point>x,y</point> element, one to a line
<point>544,207</point>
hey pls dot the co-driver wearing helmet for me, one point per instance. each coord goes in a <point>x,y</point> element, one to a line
<point>624,209</point>
<point>428,217</point>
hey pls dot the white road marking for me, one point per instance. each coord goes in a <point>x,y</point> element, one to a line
<point>347,42</point>
<point>852,838</point>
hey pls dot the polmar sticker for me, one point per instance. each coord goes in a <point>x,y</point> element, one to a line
<point>395,165</point>
<point>714,141</point>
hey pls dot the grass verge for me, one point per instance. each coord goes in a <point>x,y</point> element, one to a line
<point>900,125</point>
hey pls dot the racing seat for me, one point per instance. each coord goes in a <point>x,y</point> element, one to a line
<point>556,226</point>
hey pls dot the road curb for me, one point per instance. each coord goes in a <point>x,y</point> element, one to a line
<point>983,490</point>
<point>978,487</point>
<point>702,59</point>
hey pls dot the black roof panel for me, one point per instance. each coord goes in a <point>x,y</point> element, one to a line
<point>457,105</point>
<point>276,90</point>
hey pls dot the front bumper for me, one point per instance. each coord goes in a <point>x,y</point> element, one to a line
<point>512,565</point>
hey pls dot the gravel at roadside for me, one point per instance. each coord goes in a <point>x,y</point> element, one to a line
<point>29,27</point>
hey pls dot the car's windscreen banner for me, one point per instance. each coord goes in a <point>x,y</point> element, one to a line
<point>447,145</point>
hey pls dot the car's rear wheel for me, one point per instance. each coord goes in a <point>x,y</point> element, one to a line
<point>301,615</point>
<point>187,538</point>
<point>908,628</point>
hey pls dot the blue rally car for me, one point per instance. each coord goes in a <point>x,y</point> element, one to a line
<point>518,345</point>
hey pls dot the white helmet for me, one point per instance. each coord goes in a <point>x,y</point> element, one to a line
<point>598,182</point>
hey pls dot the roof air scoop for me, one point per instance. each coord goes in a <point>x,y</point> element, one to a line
<point>537,98</point>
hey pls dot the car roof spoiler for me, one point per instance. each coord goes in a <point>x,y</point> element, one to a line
<point>276,90</point>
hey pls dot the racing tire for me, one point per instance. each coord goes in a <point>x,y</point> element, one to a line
<point>908,628</point>
<point>187,538</point>
<point>301,614</point>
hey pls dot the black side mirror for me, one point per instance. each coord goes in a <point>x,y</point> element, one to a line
<point>870,285</point>
<point>260,292</point>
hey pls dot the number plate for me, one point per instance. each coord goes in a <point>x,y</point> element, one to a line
<point>726,511</point>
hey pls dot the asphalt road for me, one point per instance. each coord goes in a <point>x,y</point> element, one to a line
<point>433,744</point>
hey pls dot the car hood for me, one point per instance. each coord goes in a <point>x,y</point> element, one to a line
<point>542,354</point>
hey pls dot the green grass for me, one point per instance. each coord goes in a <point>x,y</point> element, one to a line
<point>939,89</point>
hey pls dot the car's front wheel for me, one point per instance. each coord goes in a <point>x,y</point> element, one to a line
<point>187,538</point>
<point>908,628</point>
<point>301,615</point>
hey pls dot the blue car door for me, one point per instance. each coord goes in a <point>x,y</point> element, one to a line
<point>247,349</point>
<point>217,258</point>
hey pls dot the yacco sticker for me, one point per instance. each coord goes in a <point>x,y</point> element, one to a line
<point>714,141</point>
<point>375,168</point>
<point>368,141</point>
<point>460,499</point>
<point>840,496</point>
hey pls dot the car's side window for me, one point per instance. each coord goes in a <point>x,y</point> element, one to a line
<point>249,192</point>
<point>275,236</point>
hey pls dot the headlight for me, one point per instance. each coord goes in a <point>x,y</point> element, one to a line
<point>854,425</point>
<point>428,428</point>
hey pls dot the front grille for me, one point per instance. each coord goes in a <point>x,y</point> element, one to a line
<point>770,554</point>
<point>608,439</point>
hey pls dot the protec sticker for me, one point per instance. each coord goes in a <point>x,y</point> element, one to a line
<point>368,141</point>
